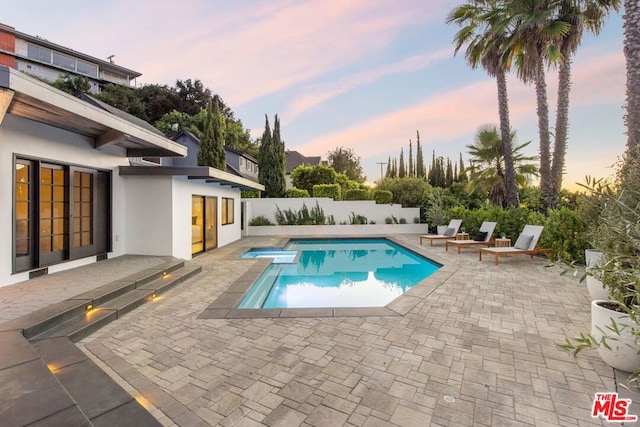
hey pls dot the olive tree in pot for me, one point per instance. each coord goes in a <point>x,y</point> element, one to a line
<point>615,322</point>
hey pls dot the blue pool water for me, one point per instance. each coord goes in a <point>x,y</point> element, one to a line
<point>339,273</point>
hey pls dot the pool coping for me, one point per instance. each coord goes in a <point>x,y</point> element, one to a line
<point>225,306</point>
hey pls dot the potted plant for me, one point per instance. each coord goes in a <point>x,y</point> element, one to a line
<point>615,329</point>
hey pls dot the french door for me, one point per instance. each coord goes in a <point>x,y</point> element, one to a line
<point>204,224</point>
<point>61,212</point>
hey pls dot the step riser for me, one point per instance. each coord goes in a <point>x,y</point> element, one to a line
<point>39,328</point>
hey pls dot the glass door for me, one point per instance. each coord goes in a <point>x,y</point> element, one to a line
<point>197,224</point>
<point>211,223</point>
<point>53,224</point>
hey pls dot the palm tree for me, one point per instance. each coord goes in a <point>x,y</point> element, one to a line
<point>632,55</point>
<point>486,170</point>
<point>536,32</point>
<point>580,15</point>
<point>488,46</point>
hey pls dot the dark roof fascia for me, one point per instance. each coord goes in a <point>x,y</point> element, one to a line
<point>193,172</point>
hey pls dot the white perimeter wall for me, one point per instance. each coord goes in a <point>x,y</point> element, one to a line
<point>159,214</point>
<point>339,209</point>
<point>34,140</point>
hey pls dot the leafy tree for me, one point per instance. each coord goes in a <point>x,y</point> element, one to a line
<point>123,98</point>
<point>159,100</point>
<point>193,96</point>
<point>344,160</point>
<point>177,121</point>
<point>217,143</point>
<point>305,177</point>
<point>486,171</point>
<point>409,192</point>
<point>73,85</point>
<point>238,138</point>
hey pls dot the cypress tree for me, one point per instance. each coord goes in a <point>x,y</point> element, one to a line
<point>264,152</point>
<point>411,169</point>
<point>449,174</point>
<point>420,173</point>
<point>205,152</point>
<point>463,171</point>
<point>278,187</point>
<point>217,146</point>
<point>388,173</point>
<point>401,170</point>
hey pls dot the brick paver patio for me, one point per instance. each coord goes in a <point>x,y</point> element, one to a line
<point>478,350</point>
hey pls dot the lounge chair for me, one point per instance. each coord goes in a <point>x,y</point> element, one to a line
<point>525,245</point>
<point>452,229</point>
<point>483,238</point>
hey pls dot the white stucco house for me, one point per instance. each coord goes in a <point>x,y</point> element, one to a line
<point>69,195</point>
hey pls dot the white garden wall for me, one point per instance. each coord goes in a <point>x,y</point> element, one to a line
<point>341,210</point>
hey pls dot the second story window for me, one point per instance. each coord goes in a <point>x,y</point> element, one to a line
<point>38,53</point>
<point>64,61</point>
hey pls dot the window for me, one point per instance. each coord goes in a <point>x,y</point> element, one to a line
<point>227,211</point>
<point>87,68</point>
<point>63,61</point>
<point>204,233</point>
<point>39,53</point>
<point>242,162</point>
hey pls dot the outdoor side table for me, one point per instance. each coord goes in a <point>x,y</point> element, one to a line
<point>462,236</point>
<point>503,242</point>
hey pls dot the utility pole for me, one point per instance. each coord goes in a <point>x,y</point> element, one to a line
<point>381,163</point>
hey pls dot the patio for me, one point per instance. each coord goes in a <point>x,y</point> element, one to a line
<point>480,349</point>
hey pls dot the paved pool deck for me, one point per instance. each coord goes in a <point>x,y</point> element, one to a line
<point>477,348</point>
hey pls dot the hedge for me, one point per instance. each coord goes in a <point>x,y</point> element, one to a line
<point>356,194</point>
<point>293,193</point>
<point>382,197</point>
<point>327,190</point>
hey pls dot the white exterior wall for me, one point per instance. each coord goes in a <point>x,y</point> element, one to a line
<point>34,140</point>
<point>339,209</point>
<point>159,214</point>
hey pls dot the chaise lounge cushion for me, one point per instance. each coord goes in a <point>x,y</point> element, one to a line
<point>523,242</point>
<point>449,232</point>
<point>481,236</point>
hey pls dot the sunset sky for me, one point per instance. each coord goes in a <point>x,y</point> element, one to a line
<point>364,74</point>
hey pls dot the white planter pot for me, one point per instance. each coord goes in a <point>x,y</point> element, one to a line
<point>595,286</point>
<point>624,350</point>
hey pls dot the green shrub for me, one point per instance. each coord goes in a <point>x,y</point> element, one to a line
<point>382,197</point>
<point>327,190</point>
<point>416,220</point>
<point>565,233</point>
<point>402,221</point>
<point>305,177</point>
<point>510,222</point>
<point>249,194</point>
<point>293,193</point>
<point>356,219</point>
<point>260,220</point>
<point>391,220</point>
<point>305,216</point>
<point>356,194</point>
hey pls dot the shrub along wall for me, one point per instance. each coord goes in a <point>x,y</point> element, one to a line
<point>564,230</point>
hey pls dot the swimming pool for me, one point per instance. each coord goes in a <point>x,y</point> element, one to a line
<point>339,273</point>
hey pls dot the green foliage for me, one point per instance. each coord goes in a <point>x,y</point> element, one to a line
<point>382,197</point>
<point>177,120</point>
<point>346,184</point>
<point>391,220</point>
<point>260,220</point>
<point>217,144</point>
<point>327,190</point>
<point>402,221</point>
<point>73,85</point>
<point>564,232</point>
<point>305,177</point>
<point>510,222</point>
<point>345,161</point>
<point>205,150</point>
<point>356,194</point>
<point>250,194</point>
<point>409,192</point>
<point>357,219</point>
<point>436,213</point>
<point>272,161</point>
<point>296,193</point>
<point>123,98</point>
<point>304,216</point>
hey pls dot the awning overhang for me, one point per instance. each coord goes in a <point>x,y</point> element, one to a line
<point>204,173</point>
<point>29,98</point>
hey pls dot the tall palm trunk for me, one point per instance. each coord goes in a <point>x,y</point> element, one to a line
<point>542,109</point>
<point>562,126</point>
<point>632,55</point>
<point>505,135</point>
